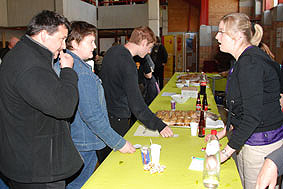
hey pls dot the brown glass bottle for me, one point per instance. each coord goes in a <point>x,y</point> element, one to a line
<point>201,125</point>
<point>204,103</point>
<point>198,103</point>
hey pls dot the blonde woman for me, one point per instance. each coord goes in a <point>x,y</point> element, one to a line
<point>253,93</point>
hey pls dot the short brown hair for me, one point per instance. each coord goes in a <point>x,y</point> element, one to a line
<point>141,33</point>
<point>79,29</point>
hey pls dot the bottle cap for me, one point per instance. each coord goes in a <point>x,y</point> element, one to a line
<point>213,132</point>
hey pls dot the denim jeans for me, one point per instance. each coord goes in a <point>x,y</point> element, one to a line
<point>3,185</point>
<point>90,160</point>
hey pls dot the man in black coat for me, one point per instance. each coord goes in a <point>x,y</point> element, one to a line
<point>36,149</point>
<point>159,56</point>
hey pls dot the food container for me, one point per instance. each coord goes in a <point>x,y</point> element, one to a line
<point>191,92</point>
<point>180,85</point>
<point>181,99</point>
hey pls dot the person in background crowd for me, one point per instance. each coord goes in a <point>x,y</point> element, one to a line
<point>144,72</point>
<point>271,169</point>
<point>159,56</point>
<point>36,148</point>
<point>120,82</point>
<point>12,42</point>
<point>253,92</point>
<point>90,128</point>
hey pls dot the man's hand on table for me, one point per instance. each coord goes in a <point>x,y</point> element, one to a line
<point>128,148</point>
<point>166,132</point>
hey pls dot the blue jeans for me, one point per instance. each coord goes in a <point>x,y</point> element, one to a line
<point>90,160</point>
<point>3,185</point>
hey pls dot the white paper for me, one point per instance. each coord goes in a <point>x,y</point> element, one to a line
<point>142,131</point>
<point>168,94</point>
<point>211,124</point>
<point>196,164</point>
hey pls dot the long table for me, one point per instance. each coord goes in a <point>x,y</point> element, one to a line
<point>123,171</point>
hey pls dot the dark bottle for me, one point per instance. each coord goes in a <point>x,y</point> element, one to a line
<point>198,103</point>
<point>201,125</point>
<point>203,84</point>
<point>204,103</point>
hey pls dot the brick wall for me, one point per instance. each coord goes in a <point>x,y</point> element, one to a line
<point>182,16</point>
<point>217,9</point>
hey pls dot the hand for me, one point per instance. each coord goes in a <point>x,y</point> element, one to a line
<point>267,175</point>
<point>224,74</point>
<point>66,60</point>
<point>219,135</point>
<point>228,153</point>
<point>207,137</point>
<point>166,132</point>
<point>128,148</point>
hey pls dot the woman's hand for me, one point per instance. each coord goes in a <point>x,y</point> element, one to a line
<point>226,153</point>
<point>219,135</point>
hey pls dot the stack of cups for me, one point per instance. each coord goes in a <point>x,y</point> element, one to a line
<point>194,128</point>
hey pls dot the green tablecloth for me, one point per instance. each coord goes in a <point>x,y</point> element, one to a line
<point>122,171</point>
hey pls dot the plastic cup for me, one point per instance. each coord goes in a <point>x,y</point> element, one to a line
<point>145,154</point>
<point>187,82</point>
<point>155,153</point>
<point>194,128</point>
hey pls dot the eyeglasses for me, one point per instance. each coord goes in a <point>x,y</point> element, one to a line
<point>221,32</point>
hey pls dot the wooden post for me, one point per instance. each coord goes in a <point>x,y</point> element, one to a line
<point>3,39</point>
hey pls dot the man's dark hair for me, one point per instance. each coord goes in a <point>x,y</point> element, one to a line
<point>46,20</point>
<point>79,29</point>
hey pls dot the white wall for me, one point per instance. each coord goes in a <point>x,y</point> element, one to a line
<point>124,16</point>
<point>79,10</point>
<point>20,12</point>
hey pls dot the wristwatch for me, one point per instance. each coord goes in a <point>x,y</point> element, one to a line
<point>225,153</point>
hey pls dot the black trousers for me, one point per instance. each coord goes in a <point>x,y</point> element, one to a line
<point>121,126</point>
<point>159,76</point>
<point>53,185</point>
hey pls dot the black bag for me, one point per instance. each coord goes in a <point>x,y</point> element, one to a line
<point>151,90</point>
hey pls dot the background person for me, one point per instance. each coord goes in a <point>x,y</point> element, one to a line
<point>12,42</point>
<point>90,128</point>
<point>252,94</point>
<point>120,82</point>
<point>36,148</point>
<point>159,56</point>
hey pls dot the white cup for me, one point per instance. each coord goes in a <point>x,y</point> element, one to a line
<point>187,82</point>
<point>194,128</point>
<point>155,153</point>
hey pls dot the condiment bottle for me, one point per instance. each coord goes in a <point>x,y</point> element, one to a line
<point>204,103</point>
<point>201,125</point>
<point>198,103</point>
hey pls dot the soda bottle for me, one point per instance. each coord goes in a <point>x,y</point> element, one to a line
<point>204,103</point>
<point>203,84</point>
<point>201,125</point>
<point>211,169</point>
<point>198,103</point>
